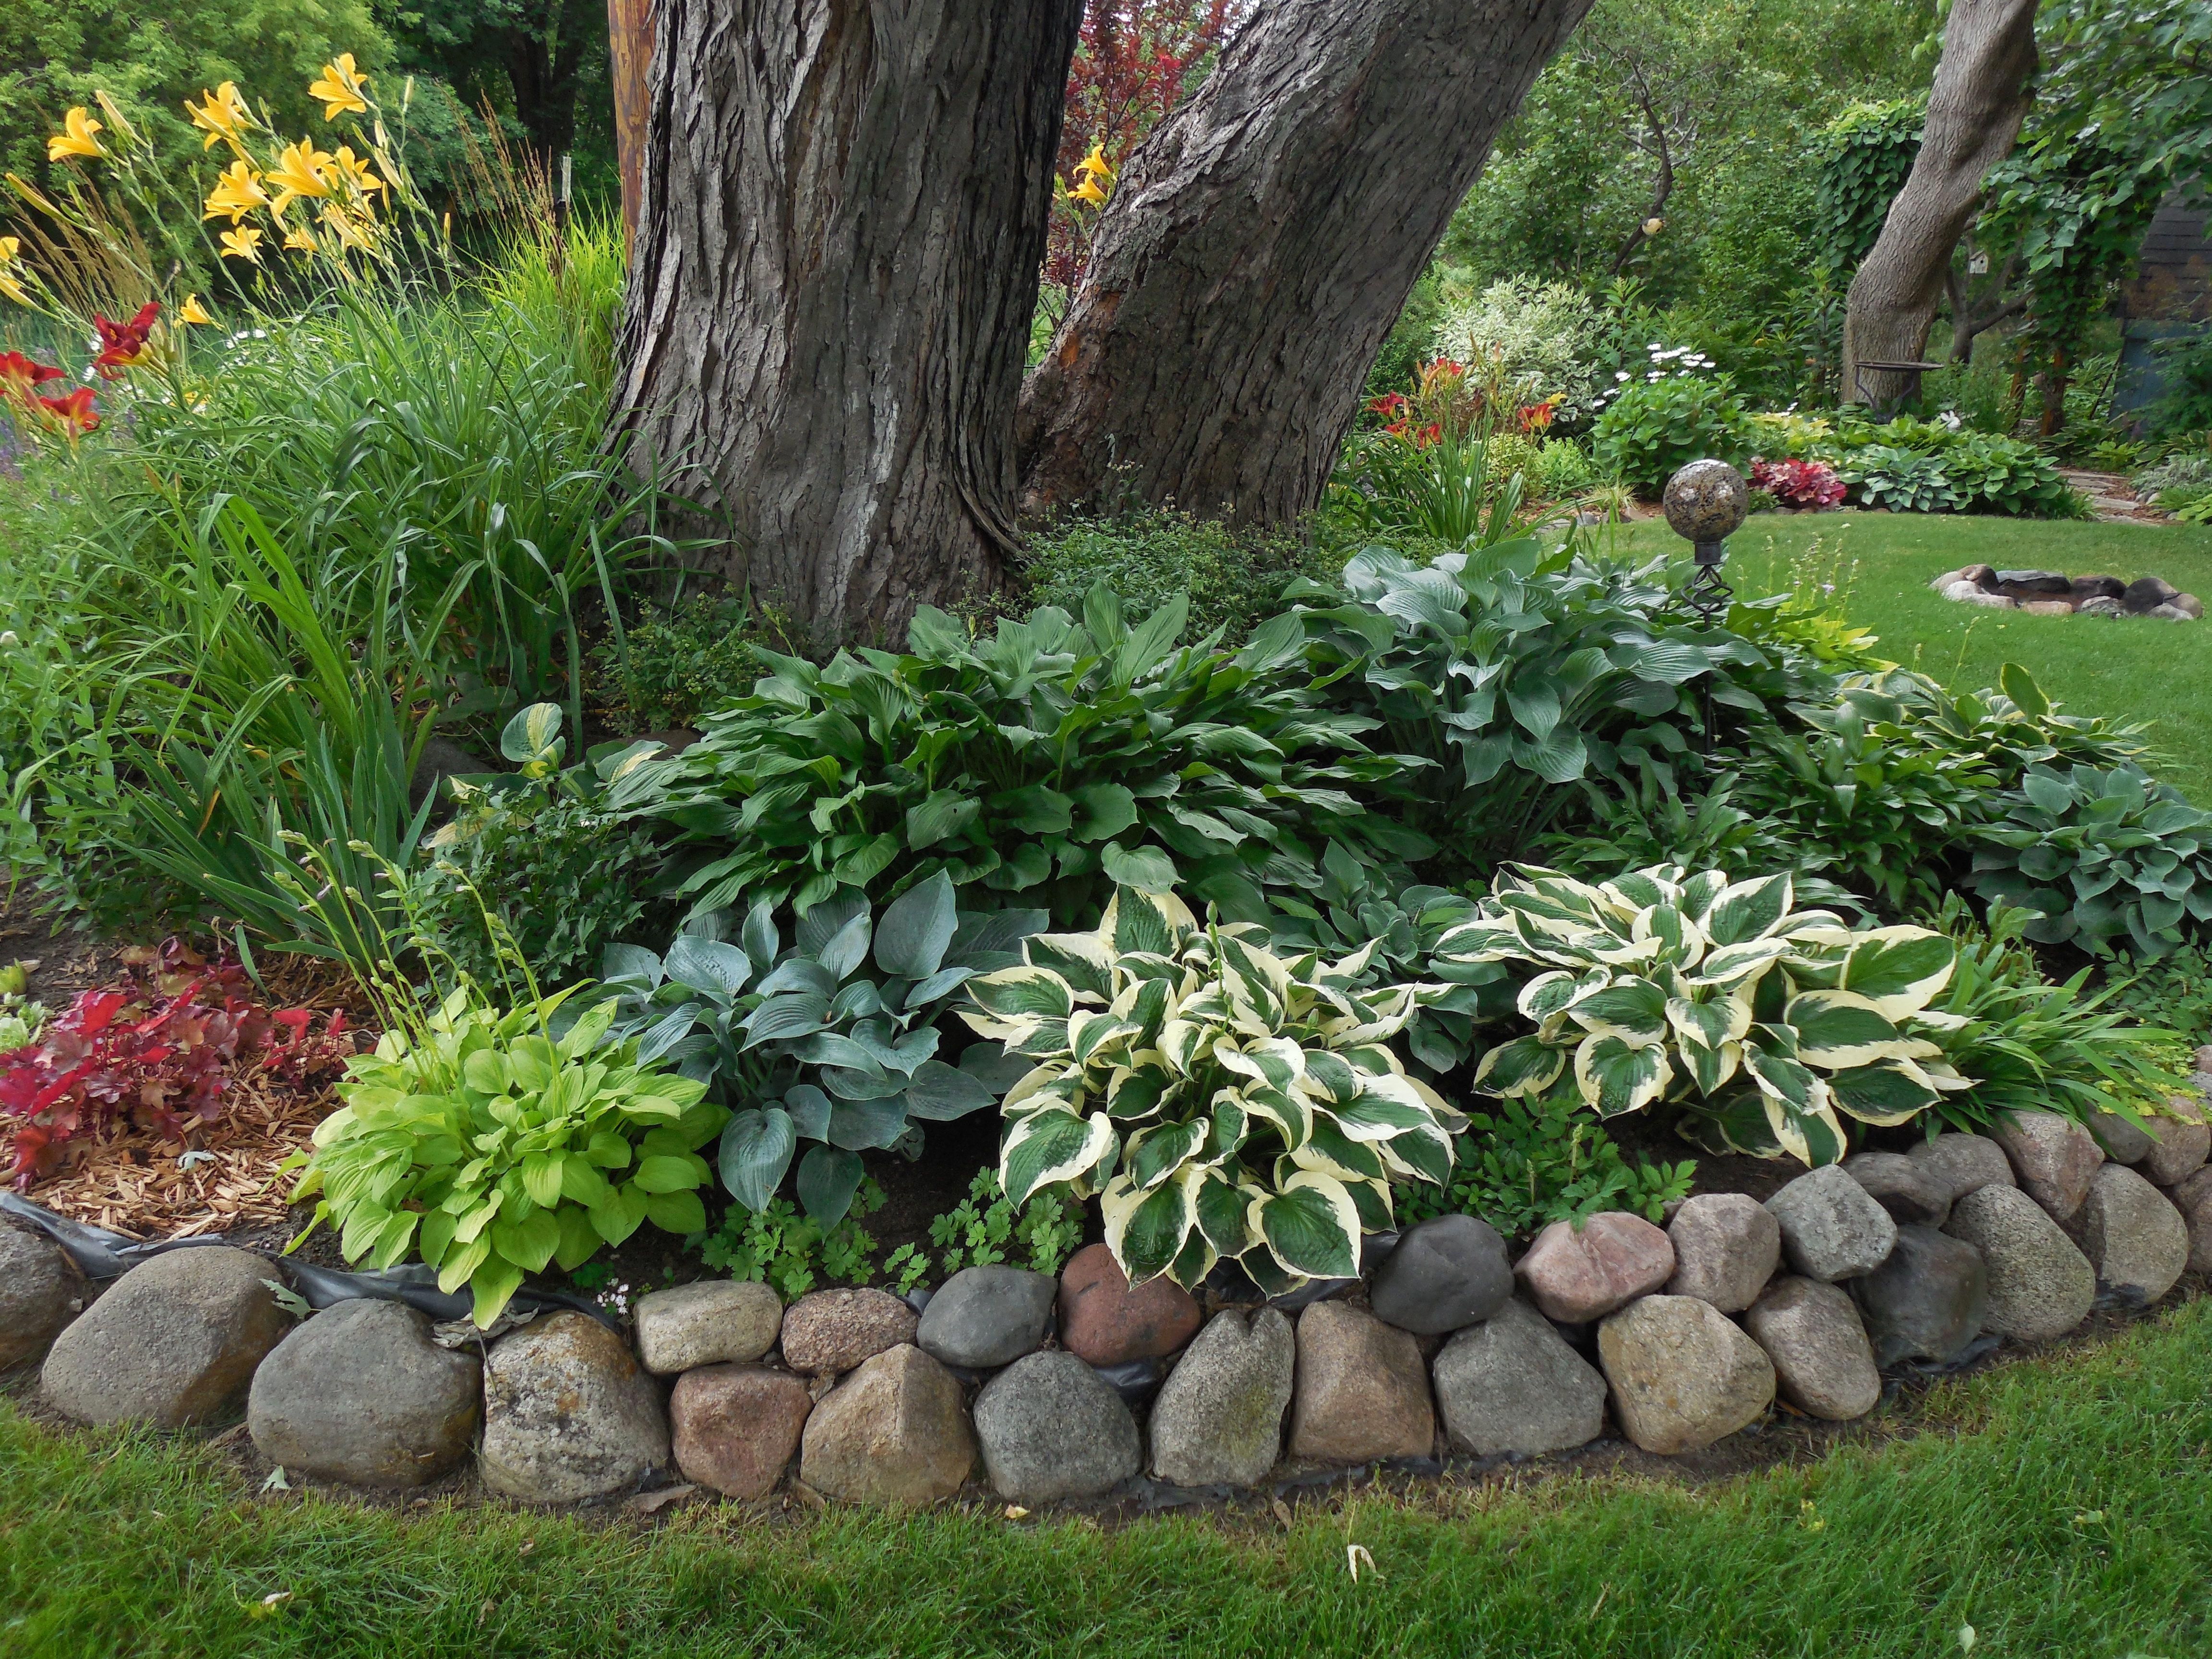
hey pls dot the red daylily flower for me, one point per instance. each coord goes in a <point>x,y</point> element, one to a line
<point>75,411</point>
<point>19,374</point>
<point>122,344</point>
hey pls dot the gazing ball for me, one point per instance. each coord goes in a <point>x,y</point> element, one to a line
<point>1705,502</point>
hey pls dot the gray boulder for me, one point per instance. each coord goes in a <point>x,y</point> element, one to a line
<point>2040,1286</point>
<point>1927,1302</point>
<point>2183,1143</point>
<point>716,1322</point>
<point>1832,1228</point>
<point>1958,1164</point>
<point>2133,1236</point>
<point>2193,1199</point>
<point>1911,1194</point>
<point>1218,1419</point>
<point>1446,1274</point>
<point>1823,1363</point>
<point>40,1291</point>
<point>2123,1142</point>
<point>442,759</point>
<point>2054,1157</point>
<point>1362,1393</point>
<point>361,1392</point>
<point>984,1317</point>
<point>174,1342</point>
<point>893,1433</point>
<point>1683,1373</point>
<point>1727,1246</point>
<point>1512,1384</point>
<point>569,1414</point>
<point>1050,1427</point>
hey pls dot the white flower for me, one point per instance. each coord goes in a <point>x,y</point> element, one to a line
<point>8,641</point>
<point>1620,375</point>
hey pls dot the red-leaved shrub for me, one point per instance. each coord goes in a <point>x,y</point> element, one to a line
<point>1798,483</point>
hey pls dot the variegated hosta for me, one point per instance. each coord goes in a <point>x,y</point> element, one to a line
<point>1221,1101</point>
<point>1764,1022</point>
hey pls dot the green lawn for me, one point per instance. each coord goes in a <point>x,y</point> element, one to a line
<point>2159,672</point>
<point>2058,1508</point>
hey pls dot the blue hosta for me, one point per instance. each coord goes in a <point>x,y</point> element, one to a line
<point>1222,1101</point>
<point>831,1039</point>
<point>1762,1023</point>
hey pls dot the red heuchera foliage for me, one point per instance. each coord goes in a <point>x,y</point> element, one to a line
<point>163,1047</point>
<point>1135,61</point>
<point>1798,483</point>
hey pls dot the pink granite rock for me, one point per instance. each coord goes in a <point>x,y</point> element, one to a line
<point>1574,1276</point>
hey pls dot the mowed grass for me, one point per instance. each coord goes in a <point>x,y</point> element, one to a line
<point>2159,673</point>
<point>2056,1507</point>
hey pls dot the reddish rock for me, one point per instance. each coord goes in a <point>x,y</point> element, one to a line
<point>737,1426</point>
<point>893,1432</point>
<point>834,1331</point>
<point>2054,1157</point>
<point>1362,1392</point>
<point>1574,1276</point>
<point>1105,1323</point>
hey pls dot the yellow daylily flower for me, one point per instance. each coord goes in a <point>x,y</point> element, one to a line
<point>9,248</point>
<point>242,244</point>
<point>302,240</point>
<point>1088,191</point>
<point>224,115</point>
<point>237,192</point>
<point>349,231</point>
<point>1095,163</point>
<point>76,137</point>
<point>13,289</point>
<point>192,311</point>
<point>354,171</point>
<point>299,172</point>
<point>340,89</point>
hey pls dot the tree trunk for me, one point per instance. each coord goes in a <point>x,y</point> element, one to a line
<point>543,66</point>
<point>845,205</point>
<point>629,59</point>
<point>1974,114</point>
<point>1259,245</point>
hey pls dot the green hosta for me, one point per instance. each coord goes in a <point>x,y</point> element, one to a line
<point>1222,1102</point>
<point>489,1147</point>
<point>1762,1023</point>
<point>832,1040</point>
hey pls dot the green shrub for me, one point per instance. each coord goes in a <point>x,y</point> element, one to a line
<point>1562,470</point>
<point>2003,474</point>
<point>1234,579</point>
<point>780,1247</point>
<point>1758,1022</point>
<point>1546,333</point>
<point>1452,491</point>
<point>479,1142</point>
<point>983,1230</point>
<point>1545,1162</point>
<point>676,661</point>
<point>1655,428</point>
<point>1224,1103</point>
<point>1899,480</point>
<point>1047,758</point>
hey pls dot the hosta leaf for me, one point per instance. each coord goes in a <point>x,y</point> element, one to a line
<point>1812,1137</point>
<point>1085,961</point>
<point>1423,1153</point>
<point>1146,1228</point>
<point>861,1126</point>
<point>1158,1153</point>
<point>1746,910</point>
<point>828,1178</point>
<point>915,929</point>
<point>1519,1069</point>
<point>529,1243</point>
<point>1102,811</point>
<point>756,1151</point>
<point>1899,970</point>
<point>1632,1008</point>
<point>1135,1091</point>
<point>1837,1029</point>
<point>940,1093</point>
<point>1015,993</point>
<point>940,817</point>
<point>1311,1227</point>
<point>681,1213</point>
<point>1333,1151</point>
<point>1886,1093</point>
<point>1616,1075</point>
<point>708,966</point>
<point>1220,1209</point>
<point>1144,869</point>
<point>1051,1146</point>
<point>798,1014</point>
<point>1724,1019</point>
<point>1710,1068</point>
<point>541,1177</point>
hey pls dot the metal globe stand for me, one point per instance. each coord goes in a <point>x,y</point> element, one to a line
<point>1705,503</point>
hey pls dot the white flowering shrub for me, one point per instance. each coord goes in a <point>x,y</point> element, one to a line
<point>1546,332</point>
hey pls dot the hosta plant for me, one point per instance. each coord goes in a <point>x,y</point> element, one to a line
<point>1223,1101</point>
<point>1900,480</point>
<point>1760,1023</point>
<point>830,1040</point>
<point>480,1142</point>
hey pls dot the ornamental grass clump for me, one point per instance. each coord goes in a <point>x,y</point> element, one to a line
<point>1224,1103</point>
<point>1760,1022</point>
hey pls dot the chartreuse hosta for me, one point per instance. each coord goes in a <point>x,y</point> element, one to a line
<point>1221,1101</point>
<point>1760,1022</point>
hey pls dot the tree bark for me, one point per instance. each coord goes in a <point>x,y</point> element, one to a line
<point>1974,114</point>
<point>845,205</point>
<point>1259,245</point>
<point>629,61</point>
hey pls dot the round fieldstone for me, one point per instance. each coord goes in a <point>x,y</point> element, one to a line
<point>40,1291</point>
<point>1903,1187</point>
<point>2054,1157</point>
<point>735,1427</point>
<point>1106,1322</point>
<point>174,1342</point>
<point>1446,1274</point>
<point>1960,1164</point>
<point>1927,1302</point>
<point>2193,1199</point>
<point>836,1331</point>
<point>2184,1141</point>
<point>1823,1364</point>
<point>2040,1286</point>
<point>1706,500</point>
<point>569,1414</point>
<point>1512,1384</point>
<point>1218,1419</point>
<point>361,1392</point>
<point>716,1321</point>
<point>1050,1427</point>
<point>1577,1273</point>
<point>1727,1246</point>
<point>1363,1393</point>
<point>1831,1227</point>
<point>1683,1373</point>
<point>2133,1236</point>
<point>2124,1142</point>
<point>892,1433</point>
<point>984,1317</point>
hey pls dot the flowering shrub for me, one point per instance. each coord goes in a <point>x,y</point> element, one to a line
<point>164,1048</point>
<point>1798,483</point>
<point>1545,332</point>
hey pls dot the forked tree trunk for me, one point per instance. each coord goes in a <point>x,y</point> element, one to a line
<point>1259,245</point>
<point>845,204</point>
<point>1974,114</point>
